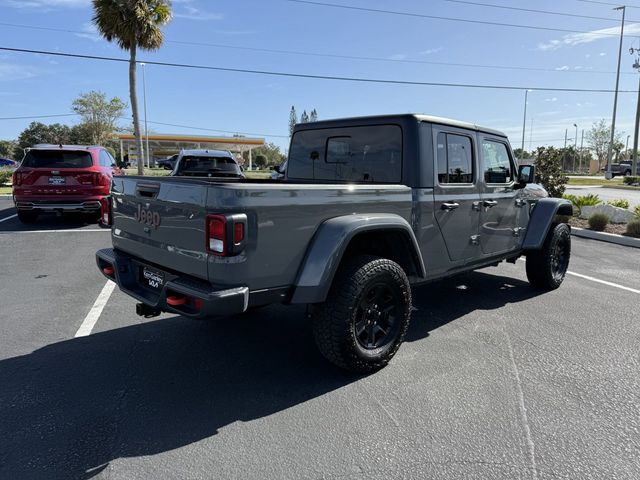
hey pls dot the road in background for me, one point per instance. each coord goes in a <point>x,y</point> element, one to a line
<point>495,380</point>
<point>607,194</point>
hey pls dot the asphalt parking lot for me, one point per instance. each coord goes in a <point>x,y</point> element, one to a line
<point>495,380</point>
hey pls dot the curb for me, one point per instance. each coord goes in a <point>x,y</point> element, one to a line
<point>606,237</point>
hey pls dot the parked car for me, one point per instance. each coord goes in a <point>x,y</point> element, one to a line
<point>278,171</point>
<point>368,207</point>
<point>623,168</point>
<point>5,162</point>
<point>207,163</point>
<point>63,178</point>
<point>168,163</point>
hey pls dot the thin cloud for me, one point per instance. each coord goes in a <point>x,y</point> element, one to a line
<point>398,56</point>
<point>11,71</point>
<point>431,51</point>
<point>574,39</point>
<point>90,32</point>
<point>193,13</point>
<point>47,5</point>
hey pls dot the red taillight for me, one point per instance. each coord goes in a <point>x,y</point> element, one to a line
<point>96,179</point>
<point>238,233</point>
<point>105,209</point>
<point>216,234</point>
<point>17,179</point>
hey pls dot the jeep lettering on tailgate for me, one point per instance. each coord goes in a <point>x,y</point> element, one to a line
<point>146,216</point>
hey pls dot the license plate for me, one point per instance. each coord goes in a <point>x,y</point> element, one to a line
<point>152,279</point>
<point>57,181</point>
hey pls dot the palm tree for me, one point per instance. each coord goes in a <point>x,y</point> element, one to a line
<point>133,24</point>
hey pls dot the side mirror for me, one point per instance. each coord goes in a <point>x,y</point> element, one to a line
<point>526,174</point>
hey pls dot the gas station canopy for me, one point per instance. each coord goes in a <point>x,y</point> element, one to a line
<point>164,145</point>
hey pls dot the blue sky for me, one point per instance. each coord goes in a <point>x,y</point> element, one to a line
<point>43,85</point>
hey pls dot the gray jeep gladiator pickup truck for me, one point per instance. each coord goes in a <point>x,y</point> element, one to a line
<point>368,207</point>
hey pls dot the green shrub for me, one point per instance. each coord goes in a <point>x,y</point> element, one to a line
<point>636,211</point>
<point>5,175</point>
<point>598,221</point>
<point>620,203</point>
<point>631,180</point>
<point>549,171</point>
<point>633,228</point>
<point>580,201</point>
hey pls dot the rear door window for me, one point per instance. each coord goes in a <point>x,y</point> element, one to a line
<point>455,158</point>
<point>347,154</point>
<point>57,159</point>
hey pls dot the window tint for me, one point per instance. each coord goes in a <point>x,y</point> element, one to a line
<point>348,154</point>
<point>57,159</point>
<point>194,165</point>
<point>455,158</point>
<point>497,165</point>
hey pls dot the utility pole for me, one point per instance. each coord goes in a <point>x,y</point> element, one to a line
<point>636,131</point>
<point>608,174</point>
<point>566,130</point>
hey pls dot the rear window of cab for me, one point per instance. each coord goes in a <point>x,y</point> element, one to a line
<point>57,159</point>
<point>367,154</point>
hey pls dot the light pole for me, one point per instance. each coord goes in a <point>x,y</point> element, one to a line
<point>524,120</point>
<point>576,147</point>
<point>634,163</point>
<point>581,143</point>
<point>608,174</point>
<point>146,131</point>
<point>566,131</point>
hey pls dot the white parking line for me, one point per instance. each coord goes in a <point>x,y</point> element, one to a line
<point>604,282</point>
<point>597,280</point>
<point>8,218</point>
<point>58,231</point>
<point>94,314</point>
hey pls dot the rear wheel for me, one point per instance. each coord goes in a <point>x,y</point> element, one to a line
<point>27,216</point>
<point>364,320</point>
<point>547,267</point>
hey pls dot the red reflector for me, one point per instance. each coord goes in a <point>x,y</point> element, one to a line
<point>197,303</point>
<point>108,270</point>
<point>238,233</point>
<point>173,300</point>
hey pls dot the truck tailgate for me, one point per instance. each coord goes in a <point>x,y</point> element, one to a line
<point>162,222</point>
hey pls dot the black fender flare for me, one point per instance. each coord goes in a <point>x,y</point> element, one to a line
<point>329,243</point>
<point>541,219</point>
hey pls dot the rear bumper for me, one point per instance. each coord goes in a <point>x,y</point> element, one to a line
<point>211,302</point>
<point>83,204</point>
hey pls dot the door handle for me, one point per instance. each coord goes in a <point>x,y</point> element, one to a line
<point>449,206</point>
<point>489,203</point>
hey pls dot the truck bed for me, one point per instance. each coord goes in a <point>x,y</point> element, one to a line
<point>282,220</point>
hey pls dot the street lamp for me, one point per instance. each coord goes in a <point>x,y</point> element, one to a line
<point>608,174</point>
<point>576,147</point>
<point>146,131</point>
<point>524,121</point>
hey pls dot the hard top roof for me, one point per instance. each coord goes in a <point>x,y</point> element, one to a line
<point>399,117</point>
<point>207,152</point>
<point>53,146</point>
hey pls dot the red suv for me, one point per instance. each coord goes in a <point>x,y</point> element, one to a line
<point>63,178</point>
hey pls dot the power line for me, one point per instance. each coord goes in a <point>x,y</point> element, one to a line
<point>606,3</point>
<point>532,10</point>
<point>448,19</point>
<point>340,56</point>
<point>316,77</point>
<point>39,116</point>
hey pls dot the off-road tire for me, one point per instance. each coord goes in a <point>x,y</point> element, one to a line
<point>335,321</point>
<point>27,216</point>
<point>547,267</point>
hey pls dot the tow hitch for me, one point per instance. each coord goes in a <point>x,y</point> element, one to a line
<point>146,311</point>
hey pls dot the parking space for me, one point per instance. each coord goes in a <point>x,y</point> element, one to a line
<point>495,380</point>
